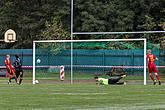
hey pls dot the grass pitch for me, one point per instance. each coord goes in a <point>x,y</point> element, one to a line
<point>81,97</point>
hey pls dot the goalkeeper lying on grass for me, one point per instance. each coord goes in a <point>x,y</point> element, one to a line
<point>110,80</point>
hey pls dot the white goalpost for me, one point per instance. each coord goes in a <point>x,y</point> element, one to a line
<point>71,42</point>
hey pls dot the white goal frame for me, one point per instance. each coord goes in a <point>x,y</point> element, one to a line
<point>92,40</point>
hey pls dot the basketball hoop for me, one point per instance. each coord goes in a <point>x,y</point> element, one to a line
<point>10,36</point>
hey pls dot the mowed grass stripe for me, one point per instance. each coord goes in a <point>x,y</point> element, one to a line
<point>80,96</point>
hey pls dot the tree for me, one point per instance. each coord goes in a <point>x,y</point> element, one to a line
<point>54,30</point>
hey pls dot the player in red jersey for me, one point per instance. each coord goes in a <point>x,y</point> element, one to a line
<point>152,67</point>
<point>10,69</point>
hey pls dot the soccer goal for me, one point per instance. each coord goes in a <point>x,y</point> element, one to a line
<point>82,59</point>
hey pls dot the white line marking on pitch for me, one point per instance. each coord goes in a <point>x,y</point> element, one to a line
<point>78,93</point>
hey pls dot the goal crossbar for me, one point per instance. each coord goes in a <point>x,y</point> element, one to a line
<point>90,40</point>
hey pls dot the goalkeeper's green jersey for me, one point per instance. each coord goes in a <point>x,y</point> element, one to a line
<point>103,81</point>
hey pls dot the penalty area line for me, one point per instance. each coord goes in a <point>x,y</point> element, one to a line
<point>78,93</point>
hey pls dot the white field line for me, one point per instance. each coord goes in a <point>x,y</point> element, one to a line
<point>78,93</point>
<point>130,107</point>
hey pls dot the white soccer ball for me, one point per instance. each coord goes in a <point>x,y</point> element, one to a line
<point>36,81</point>
<point>38,61</point>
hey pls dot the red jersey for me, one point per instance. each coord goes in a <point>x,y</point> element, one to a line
<point>9,67</point>
<point>151,58</point>
<point>8,63</point>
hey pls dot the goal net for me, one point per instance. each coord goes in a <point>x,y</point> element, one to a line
<point>49,60</point>
<point>80,60</point>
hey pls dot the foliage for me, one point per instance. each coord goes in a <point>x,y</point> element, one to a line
<point>50,19</point>
<point>54,31</point>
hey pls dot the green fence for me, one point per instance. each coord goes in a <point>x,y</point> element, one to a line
<point>84,57</point>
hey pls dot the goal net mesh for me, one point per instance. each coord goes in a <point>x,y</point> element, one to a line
<point>108,58</point>
<point>49,57</point>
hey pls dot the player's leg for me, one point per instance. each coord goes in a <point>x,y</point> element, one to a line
<point>150,74</point>
<point>14,75</point>
<point>10,77</point>
<point>158,78</point>
<point>121,83</point>
<point>156,74</point>
<point>21,77</point>
<point>152,78</point>
<point>17,74</point>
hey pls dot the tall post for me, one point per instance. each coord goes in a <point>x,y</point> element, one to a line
<point>71,41</point>
<point>145,45</point>
<point>71,29</point>
<point>34,47</point>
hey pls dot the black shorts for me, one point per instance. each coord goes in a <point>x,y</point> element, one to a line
<point>114,80</point>
<point>19,72</point>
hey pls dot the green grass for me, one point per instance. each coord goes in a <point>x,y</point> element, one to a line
<point>81,97</point>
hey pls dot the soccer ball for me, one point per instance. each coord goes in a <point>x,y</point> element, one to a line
<point>38,61</point>
<point>36,81</point>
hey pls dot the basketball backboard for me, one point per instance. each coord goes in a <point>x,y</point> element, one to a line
<point>10,36</point>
